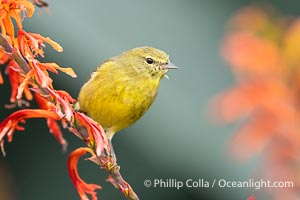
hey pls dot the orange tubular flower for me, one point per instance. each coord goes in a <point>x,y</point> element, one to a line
<point>53,67</point>
<point>11,123</point>
<point>19,83</point>
<point>1,79</point>
<point>41,76</point>
<point>4,58</point>
<point>63,107</point>
<point>14,9</point>
<point>31,44</point>
<point>82,187</point>
<point>95,137</point>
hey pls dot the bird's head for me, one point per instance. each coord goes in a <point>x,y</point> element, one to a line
<point>147,61</point>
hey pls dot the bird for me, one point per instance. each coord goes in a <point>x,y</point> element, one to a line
<point>123,88</point>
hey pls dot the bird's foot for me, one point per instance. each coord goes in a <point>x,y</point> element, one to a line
<point>112,153</point>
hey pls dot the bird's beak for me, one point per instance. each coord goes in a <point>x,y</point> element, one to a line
<point>169,65</point>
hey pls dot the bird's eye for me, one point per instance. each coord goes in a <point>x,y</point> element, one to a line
<point>149,60</point>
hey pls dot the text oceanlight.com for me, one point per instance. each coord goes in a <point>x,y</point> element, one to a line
<point>220,183</point>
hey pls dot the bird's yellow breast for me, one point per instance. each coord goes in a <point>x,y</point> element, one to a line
<point>116,98</point>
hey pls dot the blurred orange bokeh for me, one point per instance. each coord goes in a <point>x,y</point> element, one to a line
<point>262,48</point>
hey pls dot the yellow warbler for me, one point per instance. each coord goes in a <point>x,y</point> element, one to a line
<point>123,88</point>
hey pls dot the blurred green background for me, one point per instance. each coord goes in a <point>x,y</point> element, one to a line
<point>176,138</point>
